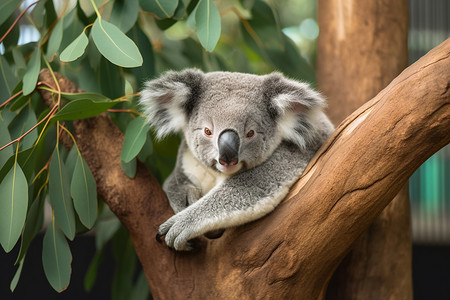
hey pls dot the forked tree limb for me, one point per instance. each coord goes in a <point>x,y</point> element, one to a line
<point>292,252</point>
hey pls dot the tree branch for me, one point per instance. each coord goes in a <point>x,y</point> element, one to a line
<point>292,252</point>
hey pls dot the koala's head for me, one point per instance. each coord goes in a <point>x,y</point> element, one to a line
<point>231,121</point>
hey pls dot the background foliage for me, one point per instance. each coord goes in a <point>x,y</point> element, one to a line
<point>108,48</point>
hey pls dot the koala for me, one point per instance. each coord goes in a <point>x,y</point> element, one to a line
<point>246,140</point>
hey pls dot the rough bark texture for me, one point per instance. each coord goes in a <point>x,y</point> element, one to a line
<point>292,252</point>
<point>362,46</point>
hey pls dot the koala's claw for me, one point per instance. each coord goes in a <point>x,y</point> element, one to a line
<point>158,237</point>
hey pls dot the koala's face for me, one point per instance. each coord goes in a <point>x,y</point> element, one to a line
<point>231,121</point>
<point>231,128</point>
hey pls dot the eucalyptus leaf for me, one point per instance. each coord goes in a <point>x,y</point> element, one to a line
<point>59,191</point>
<point>13,206</point>
<point>16,277</point>
<point>115,45</point>
<point>7,7</point>
<point>207,22</point>
<point>106,227</point>
<point>124,14</point>
<point>129,167</point>
<point>56,258</point>
<point>85,95</point>
<point>82,109</point>
<point>31,76</point>
<point>161,8</point>
<point>5,138</point>
<point>55,39</point>
<point>33,224</point>
<point>75,49</point>
<point>135,136</point>
<point>7,79</point>
<point>91,273</point>
<point>84,193</point>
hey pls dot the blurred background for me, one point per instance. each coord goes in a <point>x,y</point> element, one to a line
<point>173,48</point>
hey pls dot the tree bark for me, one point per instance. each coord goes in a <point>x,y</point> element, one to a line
<point>362,46</point>
<point>292,252</point>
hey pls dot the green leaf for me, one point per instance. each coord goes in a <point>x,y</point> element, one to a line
<point>207,22</point>
<point>33,224</point>
<point>59,191</point>
<point>84,95</point>
<point>106,227</point>
<point>124,14</point>
<point>147,70</point>
<point>31,76</point>
<point>141,289</point>
<point>84,193</point>
<point>56,258</point>
<point>13,206</point>
<point>75,49</point>
<point>5,138</point>
<point>91,273</point>
<point>82,109</point>
<point>135,136</point>
<point>55,39</point>
<point>16,277</point>
<point>21,124</point>
<point>7,7</point>
<point>129,167</point>
<point>7,80</point>
<point>115,45</point>
<point>161,8</point>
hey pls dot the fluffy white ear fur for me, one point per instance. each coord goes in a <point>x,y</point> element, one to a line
<point>163,107</point>
<point>164,100</point>
<point>299,108</point>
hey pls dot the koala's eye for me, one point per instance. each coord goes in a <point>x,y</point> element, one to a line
<point>207,131</point>
<point>250,134</point>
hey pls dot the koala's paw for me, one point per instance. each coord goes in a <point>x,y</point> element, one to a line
<point>178,231</point>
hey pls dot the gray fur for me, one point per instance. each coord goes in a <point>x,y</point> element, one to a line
<point>289,127</point>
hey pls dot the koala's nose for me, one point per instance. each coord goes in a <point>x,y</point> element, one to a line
<point>228,148</point>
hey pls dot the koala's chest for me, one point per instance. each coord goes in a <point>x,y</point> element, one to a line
<point>199,174</point>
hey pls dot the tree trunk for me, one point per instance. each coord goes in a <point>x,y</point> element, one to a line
<point>362,46</point>
<point>292,252</point>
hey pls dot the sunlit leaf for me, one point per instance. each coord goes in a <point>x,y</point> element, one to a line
<point>7,7</point>
<point>31,76</point>
<point>59,191</point>
<point>75,49</point>
<point>115,45</point>
<point>82,109</point>
<point>135,136</point>
<point>84,193</point>
<point>13,206</point>
<point>56,258</point>
<point>207,22</point>
<point>161,8</point>
<point>55,39</point>
<point>124,14</point>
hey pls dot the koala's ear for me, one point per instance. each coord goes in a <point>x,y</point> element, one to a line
<point>294,106</point>
<point>168,101</point>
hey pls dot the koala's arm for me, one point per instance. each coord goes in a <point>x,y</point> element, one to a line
<point>180,191</point>
<point>239,199</point>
